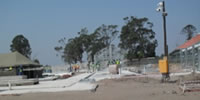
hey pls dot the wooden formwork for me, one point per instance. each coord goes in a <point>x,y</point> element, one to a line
<point>190,86</point>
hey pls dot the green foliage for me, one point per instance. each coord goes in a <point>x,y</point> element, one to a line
<point>138,38</point>
<point>107,33</point>
<point>36,61</point>
<point>101,38</point>
<point>21,44</point>
<point>189,30</point>
<point>60,49</point>
<point>94,45</point>
<point>72,51</point>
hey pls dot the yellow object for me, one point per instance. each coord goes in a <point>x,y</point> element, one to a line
<point>75,66</point>
<point>163,66</point>
<point>10,68</point>
<point>117,62</point>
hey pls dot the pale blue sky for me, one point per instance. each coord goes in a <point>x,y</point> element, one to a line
<point>44,22</point>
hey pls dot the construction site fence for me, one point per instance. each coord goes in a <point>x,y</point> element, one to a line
<point>188,63</point>
<point>176,64</point>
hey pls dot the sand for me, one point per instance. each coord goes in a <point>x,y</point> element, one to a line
<point>127,88</point>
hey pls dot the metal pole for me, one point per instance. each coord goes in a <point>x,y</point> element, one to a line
<point>193,59</point>
<point>165,32</point>
<point>164,14</point>
<point>110,52</point>
<point>198,59</point>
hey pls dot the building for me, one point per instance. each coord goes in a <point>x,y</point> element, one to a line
<point>188,54</point>
<point>14,63</point>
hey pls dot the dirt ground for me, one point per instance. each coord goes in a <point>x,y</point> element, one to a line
<point>127,88</point>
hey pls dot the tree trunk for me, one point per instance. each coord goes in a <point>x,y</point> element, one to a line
<point>92,59</point>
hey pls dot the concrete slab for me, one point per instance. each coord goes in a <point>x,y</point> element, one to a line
<point>50,86</point>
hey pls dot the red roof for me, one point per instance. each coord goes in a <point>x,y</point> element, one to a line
<point>190,42</point>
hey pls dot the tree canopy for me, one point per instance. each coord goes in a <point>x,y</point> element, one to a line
<point>101,38</point>
<point>138,38</point>
<point>189,30</point>
<point>73,50</point>
<point>36,61</point>
<point>21,44</point>
<point>107,33</point>
<point>94,44</point>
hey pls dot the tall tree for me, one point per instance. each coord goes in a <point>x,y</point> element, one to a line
<point>60,48</point>
<point>72,50</point>
<point>93,45</point>
<point>138,38</point>
<point>107,32</point>
<point>21,44</point>
<point>101,38</point>
<point>189,30</point>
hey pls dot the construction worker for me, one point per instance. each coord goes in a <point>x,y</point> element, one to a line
<point>117,62</point>
<point>118,65</point>
<point>10,68</point>
<point>77,67</point>
<point>20,71</point>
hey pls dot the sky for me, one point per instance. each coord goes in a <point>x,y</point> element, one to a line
<point>44,22</point>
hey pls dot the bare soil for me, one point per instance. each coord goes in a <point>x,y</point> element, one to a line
<point>127,88</point>
<point>191,77</point>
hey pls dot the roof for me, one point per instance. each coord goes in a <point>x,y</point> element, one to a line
<point>14,59</point>
<point>190,42</point>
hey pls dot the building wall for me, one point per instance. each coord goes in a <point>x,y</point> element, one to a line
<point>32,71</point>
<point>188,58</point>
<point>6,72</point>
<point>33,74</point>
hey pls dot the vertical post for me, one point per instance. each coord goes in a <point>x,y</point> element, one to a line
<point>110,52</point>
<point>9,85</point>
<point>186,58</point>
<point>193,59</point>
<point>198,59</point>
<point>165,31</point>
<point>181,58</point>
<point>164,14</point>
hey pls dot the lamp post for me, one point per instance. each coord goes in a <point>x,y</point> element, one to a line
<point>161,8</point>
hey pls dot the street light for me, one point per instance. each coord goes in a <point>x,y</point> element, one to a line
<point>161,8</point>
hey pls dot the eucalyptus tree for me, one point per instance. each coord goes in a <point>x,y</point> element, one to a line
<point>189,30</point>
<point>21,44</point>
<point>138,38</point>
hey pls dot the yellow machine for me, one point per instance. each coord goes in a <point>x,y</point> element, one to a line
<point>164,69</point>
<point>163,66</point>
